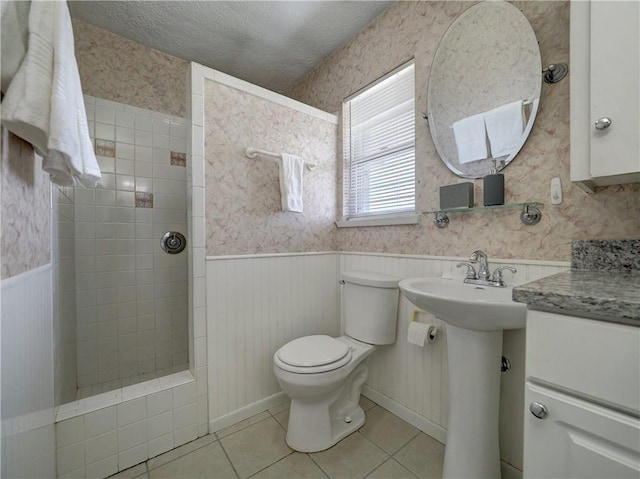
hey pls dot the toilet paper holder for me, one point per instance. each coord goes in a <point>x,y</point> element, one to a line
<point>432,331</point>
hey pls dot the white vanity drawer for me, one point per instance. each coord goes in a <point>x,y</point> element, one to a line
<point>596,359</point>
<point>578,439</point>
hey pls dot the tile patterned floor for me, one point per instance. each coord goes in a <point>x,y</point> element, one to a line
<point>386,447</point>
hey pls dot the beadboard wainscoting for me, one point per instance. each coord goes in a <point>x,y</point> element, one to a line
<point>256,303</point>
<point>412,382</point>
<point>28,433</point>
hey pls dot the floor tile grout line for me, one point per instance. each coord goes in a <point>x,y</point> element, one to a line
<point>245,427</point>
<point>403,464</point>
<point>319,466</point>
<point>229,459</point>
<point>375,445</point>
<point>418,431</point>
<point>276,420</point>
<point>391,458</point>
<point>149,469</point>
<point>272,464</point>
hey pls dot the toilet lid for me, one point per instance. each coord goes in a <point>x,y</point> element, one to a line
<point>313,351</point>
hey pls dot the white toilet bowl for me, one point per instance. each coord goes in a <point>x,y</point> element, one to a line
<point>324,384</point>
<point>323,376</point>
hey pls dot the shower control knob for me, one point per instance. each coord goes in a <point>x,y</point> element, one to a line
<point>173,242</point>
<point>603,123</point>
<point>539,410</point>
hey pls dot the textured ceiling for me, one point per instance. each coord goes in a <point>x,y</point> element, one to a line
<point>269,43</point>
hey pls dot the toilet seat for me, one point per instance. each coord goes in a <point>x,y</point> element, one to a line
<point>313,354</point>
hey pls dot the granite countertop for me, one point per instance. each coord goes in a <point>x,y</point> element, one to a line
<point>607,295</point>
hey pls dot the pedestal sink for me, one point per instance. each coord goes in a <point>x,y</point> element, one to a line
<point>475,317</point>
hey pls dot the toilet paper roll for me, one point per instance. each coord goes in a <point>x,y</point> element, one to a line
<point>417,333</point>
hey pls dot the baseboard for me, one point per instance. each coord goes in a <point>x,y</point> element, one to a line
<point>246,412</point>
<point>416,420</point>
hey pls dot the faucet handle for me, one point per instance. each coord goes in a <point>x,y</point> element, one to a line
<point>476,255</point>
<point>471,271</point>
<point>497,274</point>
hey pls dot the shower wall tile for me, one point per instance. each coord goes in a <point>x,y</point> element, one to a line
<point>121,429</point>
<point>118,229</point>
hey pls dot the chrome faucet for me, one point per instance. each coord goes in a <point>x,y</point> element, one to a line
<point>483,276</point>
<point>483,266</point>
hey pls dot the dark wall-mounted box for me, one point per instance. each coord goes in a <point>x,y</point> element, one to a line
<point>459,195</point>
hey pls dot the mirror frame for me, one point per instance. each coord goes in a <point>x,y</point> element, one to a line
<point>469,29</point>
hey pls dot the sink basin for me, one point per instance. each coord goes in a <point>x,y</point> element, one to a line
<point>474,317</point>
<point>468,306</point>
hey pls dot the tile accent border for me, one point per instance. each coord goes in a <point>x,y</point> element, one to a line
<point>178,159</point>
<point>144,200</point>
<point>105,148</point>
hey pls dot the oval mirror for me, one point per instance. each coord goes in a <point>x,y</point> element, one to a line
<point>484,88</point>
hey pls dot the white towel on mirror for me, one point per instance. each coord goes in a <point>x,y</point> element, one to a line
<point>291,190</point>
<point>44,104</point>
<point>504,128</point>
<point>471,138</point>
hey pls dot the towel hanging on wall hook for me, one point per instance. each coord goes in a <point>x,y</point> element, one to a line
<point>555,72</point>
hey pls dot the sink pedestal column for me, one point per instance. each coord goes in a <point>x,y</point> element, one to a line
<point>472,449</point>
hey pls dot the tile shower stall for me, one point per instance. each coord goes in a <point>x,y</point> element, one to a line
<point>122,380</point>
<point>131,296</point>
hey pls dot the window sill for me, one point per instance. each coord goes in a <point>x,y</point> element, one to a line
<point>381,220</point>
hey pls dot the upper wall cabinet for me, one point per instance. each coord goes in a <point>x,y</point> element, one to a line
<point>605,93</point>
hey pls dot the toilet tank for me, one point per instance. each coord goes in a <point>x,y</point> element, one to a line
<point>370,302</point>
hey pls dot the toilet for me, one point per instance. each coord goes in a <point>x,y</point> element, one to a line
<point>323,376</point>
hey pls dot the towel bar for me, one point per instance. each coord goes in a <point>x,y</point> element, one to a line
<point>254,152</point>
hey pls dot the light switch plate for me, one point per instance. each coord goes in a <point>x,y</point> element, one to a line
<point>556,191</point>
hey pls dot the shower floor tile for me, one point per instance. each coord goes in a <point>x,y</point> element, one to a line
<point>94,389</point>
<point>255,448</point>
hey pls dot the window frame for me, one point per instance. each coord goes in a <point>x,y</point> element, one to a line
<point>399,216</point>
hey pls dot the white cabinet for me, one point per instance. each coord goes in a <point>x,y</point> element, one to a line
<point>585,375</point>
<point>605,84</point>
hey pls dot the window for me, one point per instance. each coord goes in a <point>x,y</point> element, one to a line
<point>379,147</point>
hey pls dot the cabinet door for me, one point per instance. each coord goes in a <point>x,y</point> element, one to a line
<point>615,87</point>
<point>578,439</point>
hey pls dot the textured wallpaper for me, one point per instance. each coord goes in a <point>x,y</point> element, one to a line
<point>414,29</point>
<point>117,69</point>
<point>243,210</point>
<point>25,208</point>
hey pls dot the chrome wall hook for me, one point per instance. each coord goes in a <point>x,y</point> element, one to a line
<point>555,72</point>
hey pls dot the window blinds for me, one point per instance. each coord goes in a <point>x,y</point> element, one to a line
<point>379,146</point>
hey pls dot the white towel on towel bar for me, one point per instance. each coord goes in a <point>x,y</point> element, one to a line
<point>44,103</point>
<point>471,138</point>
<point>291,190</point>
<point>504,128</point>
